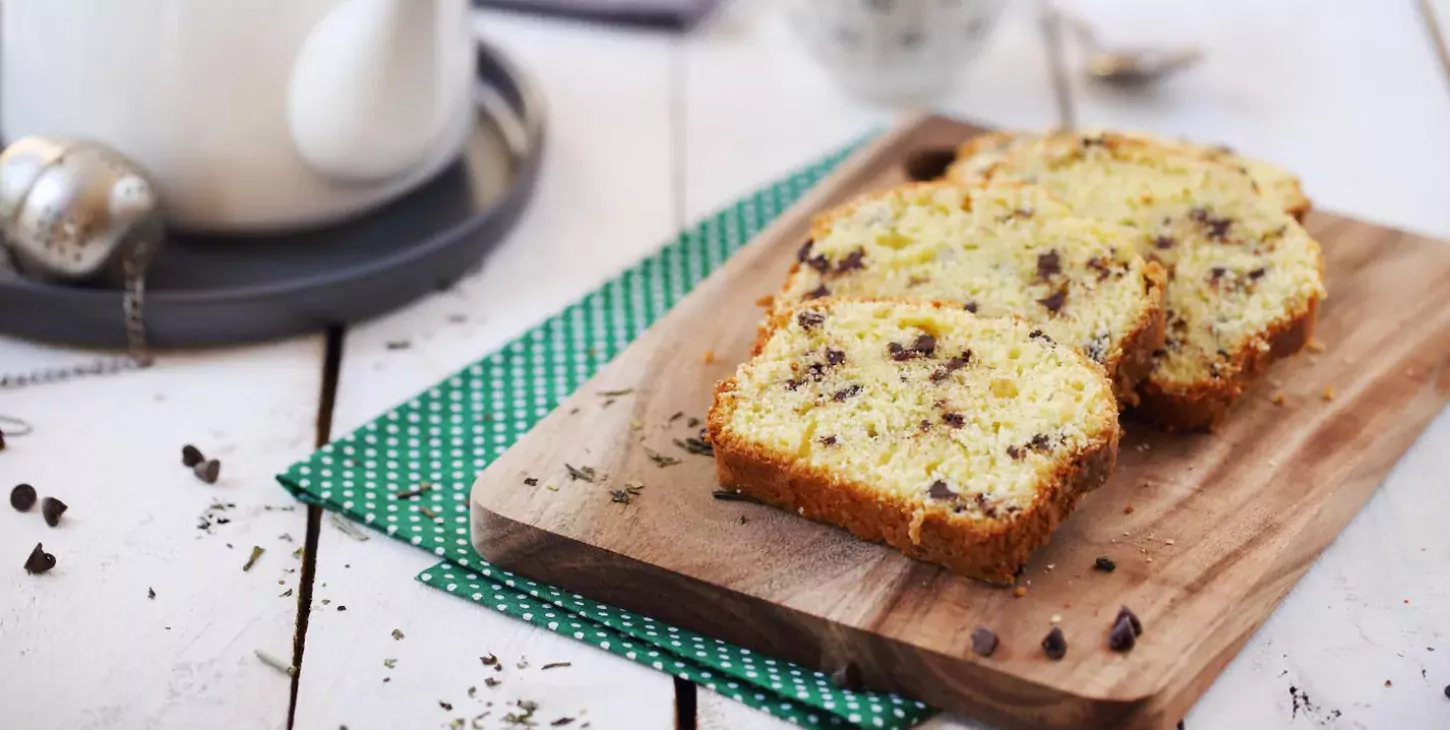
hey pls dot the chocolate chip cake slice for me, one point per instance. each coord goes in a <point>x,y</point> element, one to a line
<point>1244,278</point>
<point>957,439</point>
<point>980,153</point>
<point>996,250</point>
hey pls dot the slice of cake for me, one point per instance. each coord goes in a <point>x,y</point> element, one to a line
<point>1244,278</point>
<point>957,439</point>
<point>998,249</point>
<point>1275,183</point>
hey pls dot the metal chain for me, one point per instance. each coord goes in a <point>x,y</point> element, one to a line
<point>137,356</point>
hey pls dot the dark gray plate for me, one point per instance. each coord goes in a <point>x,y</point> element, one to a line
<point>205,290</point>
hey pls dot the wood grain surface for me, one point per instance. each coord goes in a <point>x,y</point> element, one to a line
<point>1208,531</point>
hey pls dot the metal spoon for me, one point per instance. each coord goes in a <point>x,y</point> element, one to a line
<point>1126,66</point>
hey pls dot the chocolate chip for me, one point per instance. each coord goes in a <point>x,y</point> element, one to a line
<point>853,260</point>
<point>819,263</point>
<point>818,292</point>
<point>191,456</point>
<point>1097,141</point>
<point>1048,265</point>
<point>925,425</point>
<point>971,307</point>
<point>22,497</point>
<point>835,357</point>
<point>1164,242</point>
<point>984,642</point>
<point>939,490</point>
<point>1039,442</point>
<point>208,471</point>
<point>1216,273</point>
<point>1122,637</point>
<point>1105,564</point>
<point>809,320</point>
<point>829,440</point>
<point>1054,645</point>
<point>39,561</point>
<point>899,353</point>
<point>1054,301</point>
<point>805,251</point>
<point>925,344</point>
<point>1015,452</point>
<point>1038,335</point>
<point>848,678</point>
<point>1215,227</point>
<point>792,384</point>
<point>846,392</point>
<point>1126,613</point>
<point>1256,274</point>
<point>51,509</point>
<point>955,420</point>
<point>952,365</point>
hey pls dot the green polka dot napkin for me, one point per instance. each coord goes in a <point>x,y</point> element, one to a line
<point>408,474</point>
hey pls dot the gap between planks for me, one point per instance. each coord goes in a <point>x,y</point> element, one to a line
<point>326,398</point>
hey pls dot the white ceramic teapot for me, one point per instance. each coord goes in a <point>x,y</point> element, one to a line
<point>251,115</point>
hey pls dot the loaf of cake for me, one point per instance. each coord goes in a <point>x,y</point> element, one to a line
<point>1244,278</point>
<point>957,439</point>
<point>996,250</point>
<point>1274,182</point>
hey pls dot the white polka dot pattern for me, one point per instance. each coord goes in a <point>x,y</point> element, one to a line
<point>437,441</point>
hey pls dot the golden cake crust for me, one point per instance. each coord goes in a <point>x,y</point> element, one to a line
<point>993,550</point>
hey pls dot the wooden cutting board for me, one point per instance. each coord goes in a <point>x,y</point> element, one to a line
<point>1208,531</point>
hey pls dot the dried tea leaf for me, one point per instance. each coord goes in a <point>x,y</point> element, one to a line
<point>583,473</point>
<point>397,635</point>
<point>696,446</point>
<point>725,495</point>
<point>275,663</point>
<point>257,551</point>
<point>556,665</point>
<point>347,527</point>
<point>429,513</point>
<point>411,493</point>
<point>615,393</point>
<point>659,459</point>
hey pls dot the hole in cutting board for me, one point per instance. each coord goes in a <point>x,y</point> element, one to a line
<point>929,164</point>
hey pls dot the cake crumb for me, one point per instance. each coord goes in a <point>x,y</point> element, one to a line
<point>765,301</point>
<point>1019,592</point>
<point>1329,392</point>
<point>709,357</point>
<point>1278,399</point>
<point>1315,345</point>
<point>1127,511</point>
<point>1056,619</point>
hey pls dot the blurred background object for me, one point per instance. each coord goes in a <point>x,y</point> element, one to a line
<point>895,51</point>
<point>665,14</point>
<point>1125,66</point>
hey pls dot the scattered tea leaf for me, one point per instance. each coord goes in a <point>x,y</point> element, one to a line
<point>446,705</point>
<point>429,513</point>
<point>619,495</point>
<point>556,665</point>
<point>678,415</point>
<point>725,495</point>
<point>151,593</point>
<point>411,493</point>
<point>492,681</point>
<point>562,722</point>
<point>208,471</point>
<point>583,473</point>
<point>531,481</point>
<point>615,393</point>
<point>390,663</point>
<point>456,723</point>
<point>488,661</point>
<point>348,528</point>
<point>257,551</point>
<point>285,593</point>
<point>696,446</point>
<point>659,459</point>
<point>635,424</point>
<point>693,422</point>
<point>472,692</point>
<point>275,663</point>
<point>397,635</point>
<point>191,456</point>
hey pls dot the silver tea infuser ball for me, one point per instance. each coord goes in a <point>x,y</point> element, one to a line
<point>77,212</point>
<point>74,211</point>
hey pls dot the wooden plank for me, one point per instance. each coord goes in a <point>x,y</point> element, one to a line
<point>84,644</point>
<point>1243,528</point>
<point>604,200</point>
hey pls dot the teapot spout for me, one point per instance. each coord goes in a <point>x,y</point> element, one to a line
<point>376,84</point>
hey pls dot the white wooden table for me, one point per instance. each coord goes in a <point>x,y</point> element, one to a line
<point>647,133</point>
